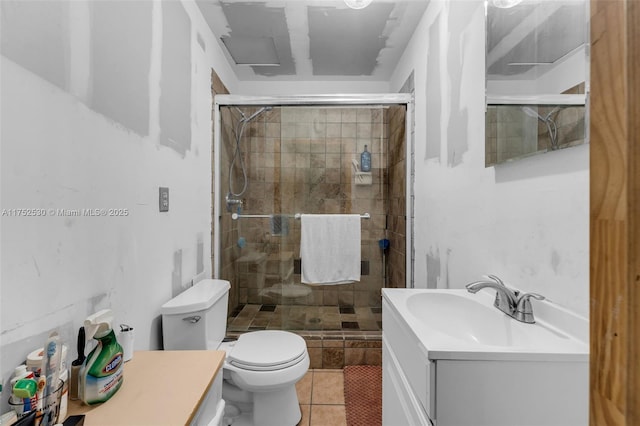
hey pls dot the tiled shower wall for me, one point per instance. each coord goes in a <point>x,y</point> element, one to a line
<point>397,167</point>
<point>299,160</point>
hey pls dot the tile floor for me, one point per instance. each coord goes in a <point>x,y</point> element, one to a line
<point>321,396</point>
<point>252,317</point>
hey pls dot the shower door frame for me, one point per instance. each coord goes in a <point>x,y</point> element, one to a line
<point>311,101</point>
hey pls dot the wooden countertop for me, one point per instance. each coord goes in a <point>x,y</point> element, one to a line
<point>159,388</point>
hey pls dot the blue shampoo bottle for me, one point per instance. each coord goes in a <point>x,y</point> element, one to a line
<point>365,160</point>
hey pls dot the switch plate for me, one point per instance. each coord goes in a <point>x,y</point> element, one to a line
<point>164,199</point>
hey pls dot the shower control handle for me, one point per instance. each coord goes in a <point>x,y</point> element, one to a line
<point>192,319</point>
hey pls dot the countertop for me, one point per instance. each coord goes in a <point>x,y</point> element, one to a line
<point>159,388</point>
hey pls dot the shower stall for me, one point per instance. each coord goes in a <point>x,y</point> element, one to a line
<point>276,158</point>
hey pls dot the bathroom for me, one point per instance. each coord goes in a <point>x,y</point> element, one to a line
<point>88,122</point>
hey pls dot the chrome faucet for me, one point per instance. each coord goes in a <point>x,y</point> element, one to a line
<point>507,300</point>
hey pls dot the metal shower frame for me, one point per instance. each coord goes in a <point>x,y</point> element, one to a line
<point>311,101</point>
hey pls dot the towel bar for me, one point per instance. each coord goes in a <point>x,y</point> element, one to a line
<point>236,216</point>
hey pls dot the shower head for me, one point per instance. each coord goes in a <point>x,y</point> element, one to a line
<point>531,113</point>
<point>258,112</point>
<point>254,115</point>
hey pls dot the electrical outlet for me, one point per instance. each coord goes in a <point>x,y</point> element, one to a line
<point>164,199</point>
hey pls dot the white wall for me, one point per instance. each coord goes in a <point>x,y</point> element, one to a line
<point>526,221</point>
<point>288,88</point>
<point>58,152</point>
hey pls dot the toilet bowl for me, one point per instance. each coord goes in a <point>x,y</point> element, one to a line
<point>261,368</point>
<point>260,371</point>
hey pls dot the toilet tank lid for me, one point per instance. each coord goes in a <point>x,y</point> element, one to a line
<point>200,296</point>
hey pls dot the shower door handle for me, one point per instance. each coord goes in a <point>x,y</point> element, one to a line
<point>193,319</point>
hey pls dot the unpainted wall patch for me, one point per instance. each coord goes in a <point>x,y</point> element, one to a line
<point>175,83</point>
<point>457,132</point>
<point>176,274</point>
<point>433,268</point>
<point>121,60</point>
<point>200,254</point>
<point>433,94</point>
<point>35,35</point>
<point>201,42</point>
<point>256,20</point>
<point>338,47</point>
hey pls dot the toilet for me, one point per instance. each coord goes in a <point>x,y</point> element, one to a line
<point>261,368</point>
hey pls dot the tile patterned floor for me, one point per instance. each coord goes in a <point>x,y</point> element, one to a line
<point>252,317</point>
<point>321,396</point>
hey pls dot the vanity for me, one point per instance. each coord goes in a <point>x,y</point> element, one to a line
<point>162,387</point>
<point>450,358</point>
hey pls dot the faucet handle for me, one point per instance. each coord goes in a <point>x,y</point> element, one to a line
<point>524,310</point>
<point>496,279</point>
<point>499,281</point>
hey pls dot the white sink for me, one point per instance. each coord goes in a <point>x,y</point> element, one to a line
<point>455,323</point>
<point>444,348</point>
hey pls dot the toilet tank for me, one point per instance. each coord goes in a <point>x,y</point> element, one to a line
<point>196,319</point>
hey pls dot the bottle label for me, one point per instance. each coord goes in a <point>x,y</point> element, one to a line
<point>100,389</point>
<point>113,364</point>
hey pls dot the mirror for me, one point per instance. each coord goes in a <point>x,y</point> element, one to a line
<point>536,77</point>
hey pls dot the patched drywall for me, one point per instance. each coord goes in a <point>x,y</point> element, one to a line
<point>121,67</point>
<point>526,222</point>
<point>252,20</point>
<point>344,57</point>
<point>433,268</point>
<point>458,63</point>
<point>433,93</point>
<point>175,84</point>
<point>81,229</point>
<point>35,34</point>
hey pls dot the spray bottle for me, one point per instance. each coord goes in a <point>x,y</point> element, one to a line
<point>102,372</point>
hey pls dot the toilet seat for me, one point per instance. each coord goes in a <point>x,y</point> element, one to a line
<point>267,350</point>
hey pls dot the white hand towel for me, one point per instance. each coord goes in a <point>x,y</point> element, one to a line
<point>330,248</point>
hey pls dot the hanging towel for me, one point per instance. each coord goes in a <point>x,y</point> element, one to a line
<point>330,248</point>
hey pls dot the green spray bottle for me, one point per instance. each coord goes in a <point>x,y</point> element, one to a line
<point>102,372</point>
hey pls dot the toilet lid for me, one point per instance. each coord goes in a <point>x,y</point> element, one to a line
<point>267,350</point>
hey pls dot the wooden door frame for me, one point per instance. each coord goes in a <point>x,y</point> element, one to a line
<point>615,213</point>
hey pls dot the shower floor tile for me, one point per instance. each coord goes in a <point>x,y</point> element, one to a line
<point>251,317</point>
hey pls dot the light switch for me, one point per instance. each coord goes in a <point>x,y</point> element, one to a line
<point>164,199</point>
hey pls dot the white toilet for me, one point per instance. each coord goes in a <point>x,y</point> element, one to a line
<point>261,368</point>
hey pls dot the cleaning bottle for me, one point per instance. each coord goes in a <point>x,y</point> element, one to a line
<point>365,160</point>
<point>102,372</point>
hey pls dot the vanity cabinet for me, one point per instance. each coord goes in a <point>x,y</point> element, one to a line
<point>163,388</point>
<point>408,377</point>
<point>458,388</point>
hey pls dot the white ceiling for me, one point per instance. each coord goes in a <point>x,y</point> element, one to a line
<point>313,39</point>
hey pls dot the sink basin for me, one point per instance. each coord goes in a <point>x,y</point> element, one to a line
<point>444,347</point>
<point>456,324</point>
<point>467,319</point>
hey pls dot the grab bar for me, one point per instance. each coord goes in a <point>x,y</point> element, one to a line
<point>297,216</point>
